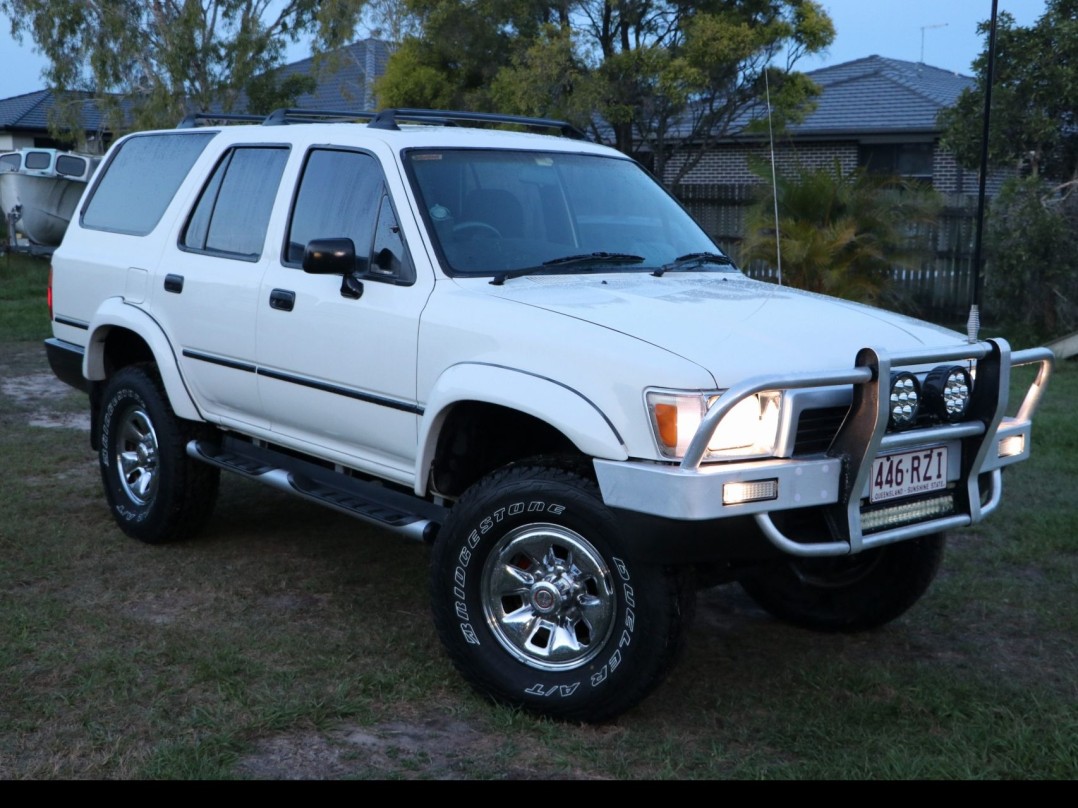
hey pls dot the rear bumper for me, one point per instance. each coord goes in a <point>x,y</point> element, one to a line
<point>65,359</point>
<point>838,481</point>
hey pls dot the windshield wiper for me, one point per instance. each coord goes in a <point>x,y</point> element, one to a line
<point>584,259</point>
<point>595,258</point>
<point>693,260</point>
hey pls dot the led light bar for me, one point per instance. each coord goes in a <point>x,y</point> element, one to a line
<point>907,513</point>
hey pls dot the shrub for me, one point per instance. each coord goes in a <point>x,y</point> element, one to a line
<point>842,232</point>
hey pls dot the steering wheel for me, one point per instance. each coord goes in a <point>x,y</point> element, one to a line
<point>477,228</point>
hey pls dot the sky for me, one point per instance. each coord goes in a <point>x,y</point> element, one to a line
<point>941,33</point>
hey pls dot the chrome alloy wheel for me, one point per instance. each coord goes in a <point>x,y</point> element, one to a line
<point>548,596</point>
<point>136,453</point>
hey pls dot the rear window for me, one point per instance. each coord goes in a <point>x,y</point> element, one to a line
<point>139,181</point>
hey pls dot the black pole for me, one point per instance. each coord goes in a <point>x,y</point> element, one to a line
<point>975,291</point>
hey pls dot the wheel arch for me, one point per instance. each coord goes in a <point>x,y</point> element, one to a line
<point>121,335</point>
<point>554,417</point>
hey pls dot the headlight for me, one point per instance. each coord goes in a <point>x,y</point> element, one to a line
<point>750,429</point>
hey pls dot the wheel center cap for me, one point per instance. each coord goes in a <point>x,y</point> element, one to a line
<point>545,598</point>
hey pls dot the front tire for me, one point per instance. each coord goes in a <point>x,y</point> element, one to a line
<point>156,492</point>
<point>541,607</point>
<point>849,593</point>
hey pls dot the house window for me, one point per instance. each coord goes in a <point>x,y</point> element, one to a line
<point>909,160</point>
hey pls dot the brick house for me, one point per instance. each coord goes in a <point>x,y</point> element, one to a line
<point>874,112</point>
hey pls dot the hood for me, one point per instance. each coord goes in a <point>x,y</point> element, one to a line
<point>733,326</point>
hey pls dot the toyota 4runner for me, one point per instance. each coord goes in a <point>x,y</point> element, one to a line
<point>517,346</point>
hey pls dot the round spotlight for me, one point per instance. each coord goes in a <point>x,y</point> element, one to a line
<point>905,400</point>
<point>947,391</point>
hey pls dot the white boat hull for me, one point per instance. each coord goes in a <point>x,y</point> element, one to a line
<point>40,190</point>
<point>48,203</point>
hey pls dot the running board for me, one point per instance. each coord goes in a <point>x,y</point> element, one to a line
<point>372,502</point>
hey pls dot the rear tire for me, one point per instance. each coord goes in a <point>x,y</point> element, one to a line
<point>849,593</point>
<point>156,492</point>
<point>540,605</point>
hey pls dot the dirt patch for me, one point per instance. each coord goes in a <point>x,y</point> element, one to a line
<point>36,392</point>
<point>431,749</point>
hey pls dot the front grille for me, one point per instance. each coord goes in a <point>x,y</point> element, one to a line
<point>816,429</point>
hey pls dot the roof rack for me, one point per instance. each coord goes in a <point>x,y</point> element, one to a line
<point>389,119</point>
<point>195,118</point>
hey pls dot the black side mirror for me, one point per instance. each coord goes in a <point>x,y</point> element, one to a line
<point>334,256</point>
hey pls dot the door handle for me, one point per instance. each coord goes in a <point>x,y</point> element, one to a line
<point>174,283</point>
<point>282,299</point>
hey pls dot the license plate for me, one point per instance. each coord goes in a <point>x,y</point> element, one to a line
<point>905,474</point>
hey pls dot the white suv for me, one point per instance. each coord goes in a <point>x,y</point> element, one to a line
<point>521,348</point>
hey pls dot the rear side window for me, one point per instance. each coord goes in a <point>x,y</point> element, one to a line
<point>139,181</point>
<point>233,211</point>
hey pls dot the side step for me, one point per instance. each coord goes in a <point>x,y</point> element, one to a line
<point>372,502</point>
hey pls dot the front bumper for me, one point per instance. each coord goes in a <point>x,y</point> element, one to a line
<point>838,480</point>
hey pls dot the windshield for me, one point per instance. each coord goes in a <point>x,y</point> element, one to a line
<point>493,212</point>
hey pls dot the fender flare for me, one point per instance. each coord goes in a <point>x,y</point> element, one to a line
<point>114,313</point>
<point>565,409</point>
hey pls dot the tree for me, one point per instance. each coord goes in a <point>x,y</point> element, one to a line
<point>666,78</point>
<point>1032,227</point>
<point>840,232</point>
<point>1034,117</point>
<point>1031,287</point>
<point>150,63</point>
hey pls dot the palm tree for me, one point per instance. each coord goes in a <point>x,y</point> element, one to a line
<point>841,232</point>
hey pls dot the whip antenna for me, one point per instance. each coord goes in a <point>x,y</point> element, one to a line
<point>774,181</point>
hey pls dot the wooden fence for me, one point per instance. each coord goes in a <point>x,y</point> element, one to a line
<point>939,290</point>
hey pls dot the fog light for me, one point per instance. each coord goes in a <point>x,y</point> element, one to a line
<point>947,391</point>
<point>1012,446</point>
<point>905,400</point>
<point>755,491</point>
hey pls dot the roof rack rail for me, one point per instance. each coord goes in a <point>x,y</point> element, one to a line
<point>389,118</point>
<point>297,115</point>
<point>195,118</point>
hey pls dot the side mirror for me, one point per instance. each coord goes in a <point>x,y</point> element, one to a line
<point>330,256</point>
<point>334,256</point>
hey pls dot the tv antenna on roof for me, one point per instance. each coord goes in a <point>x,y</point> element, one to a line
<point>925,28</point>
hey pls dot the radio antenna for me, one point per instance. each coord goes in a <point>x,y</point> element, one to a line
<point>774,180</point>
